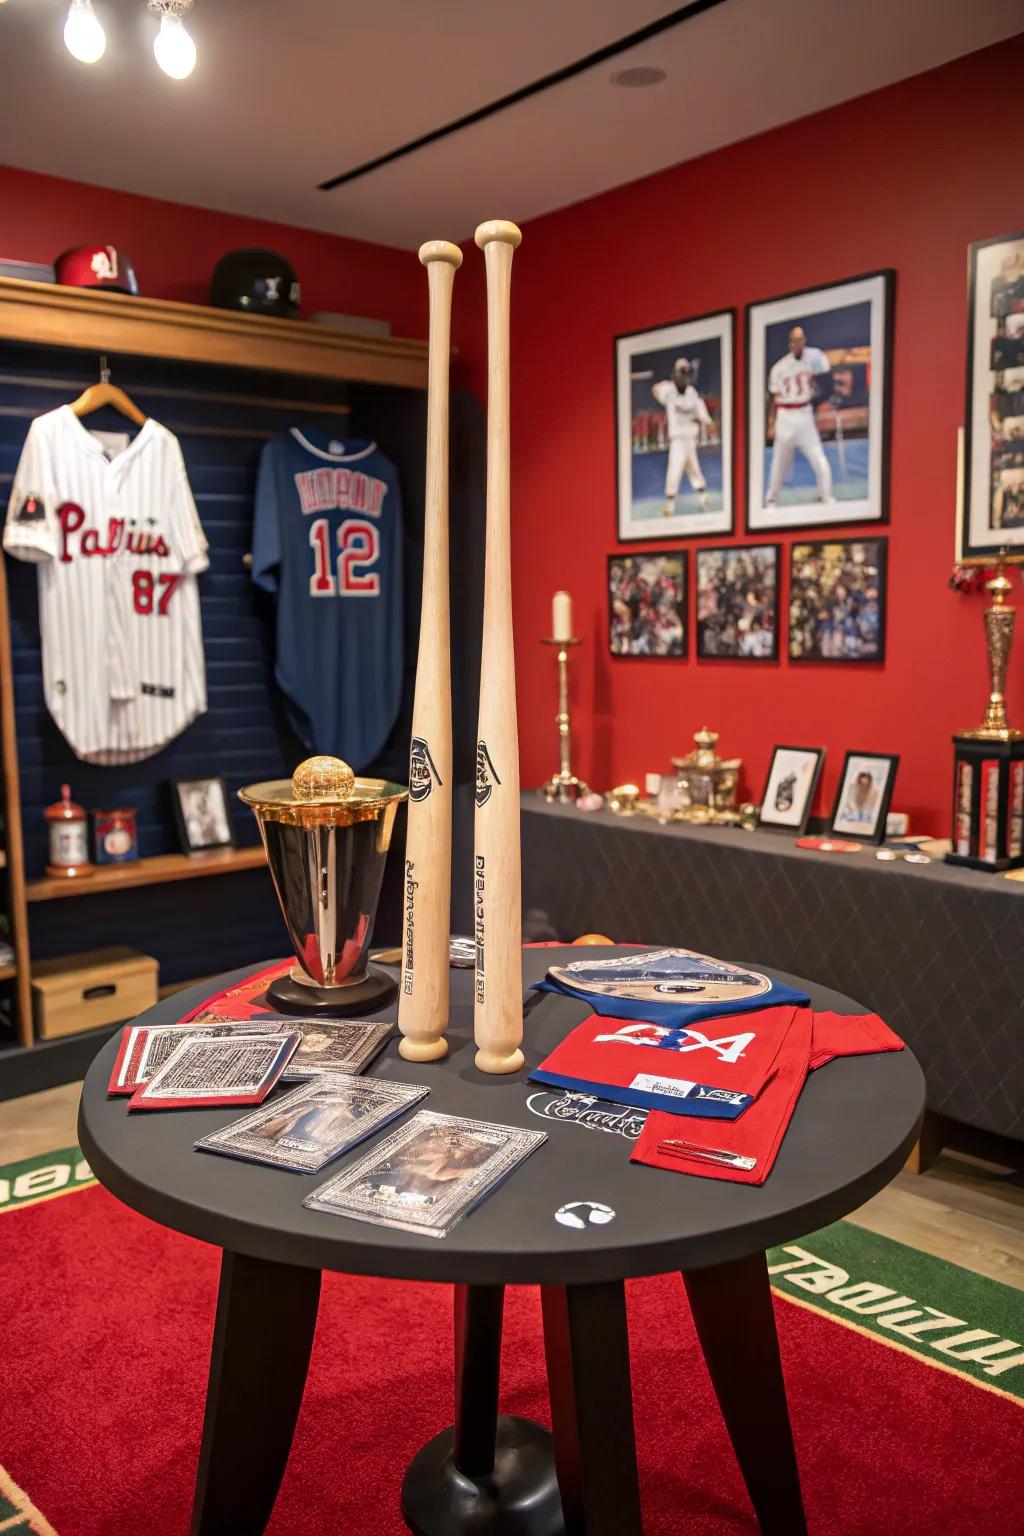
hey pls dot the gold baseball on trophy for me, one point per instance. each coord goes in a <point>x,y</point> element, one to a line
<point>323,778</point>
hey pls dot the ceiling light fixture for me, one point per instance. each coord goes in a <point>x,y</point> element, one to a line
<point>84,38</point>
<point>173,46</point>
<point>639,75</point>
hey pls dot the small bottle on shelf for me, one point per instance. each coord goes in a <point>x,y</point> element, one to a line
<point>69,838</point>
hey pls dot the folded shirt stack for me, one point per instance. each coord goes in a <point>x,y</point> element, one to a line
<point>721,1095</point>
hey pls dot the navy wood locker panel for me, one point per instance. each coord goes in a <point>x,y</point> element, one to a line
<point>213,924</point>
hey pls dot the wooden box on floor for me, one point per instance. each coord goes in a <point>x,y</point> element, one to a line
<point>74,993</point>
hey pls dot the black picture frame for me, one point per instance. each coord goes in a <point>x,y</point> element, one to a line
<point>186,829</point>
<point>798,828</point>
<point>718,524</point>
<point>877,833</point>
<point>979,410</point>
<point>878,658</point>
<point>627,557</point>
<point>736,550</point>
<point>757,523</point>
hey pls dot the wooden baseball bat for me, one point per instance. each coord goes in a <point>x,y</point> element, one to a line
<point>426,890</point>
<point>497,881</point>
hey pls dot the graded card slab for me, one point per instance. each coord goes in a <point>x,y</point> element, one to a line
<point>427,1175</point>
<point>346,1046</point>
<point>304,1129</point>
<point>212,1070</point>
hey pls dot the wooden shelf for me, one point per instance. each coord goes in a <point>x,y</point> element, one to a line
<point>100,321</point>
<point>163,870</point>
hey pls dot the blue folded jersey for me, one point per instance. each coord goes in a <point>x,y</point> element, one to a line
<point>675,987</point>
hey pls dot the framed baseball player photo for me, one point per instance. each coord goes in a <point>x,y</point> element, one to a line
<point>789,790</point>
<point>863,797</point>
<point>647,603</point>
<point>991,500</point>
<point>201,812</point>
<point>674,428</point>
<point>819,404</point>
<point>738,603</point>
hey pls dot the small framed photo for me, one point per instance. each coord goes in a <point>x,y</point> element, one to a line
<point>862,800</point>
<point>991,512</point>
<point>201,811</point>
<point>647,603</point>
<point>789,791</point>
<point>674,428</point>
<point>738,603</point>
<point>818,405</point>
<point>837,600</point>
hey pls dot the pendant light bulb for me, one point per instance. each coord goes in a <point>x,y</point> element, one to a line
<point>174,49</point>
<point>84,38</point>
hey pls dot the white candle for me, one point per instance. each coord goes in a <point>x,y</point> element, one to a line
<point>561,616</point>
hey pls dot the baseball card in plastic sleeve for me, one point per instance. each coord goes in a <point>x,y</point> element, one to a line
<point>676,987</point>
<point>427,1175</point>
<point>307,1128</point>
<point>347,1046</point>
<point>213,1069</point>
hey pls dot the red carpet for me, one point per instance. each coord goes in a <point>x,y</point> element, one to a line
<point>102,1371</point>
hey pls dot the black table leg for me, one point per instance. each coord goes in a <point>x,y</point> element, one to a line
<point>587,1347</point>
<point>488,1475</point>
<point>735,1320</point>
<point>266,1316</point>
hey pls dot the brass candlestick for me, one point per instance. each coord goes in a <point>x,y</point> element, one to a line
<point>999,623</point>
<point>564,785</point>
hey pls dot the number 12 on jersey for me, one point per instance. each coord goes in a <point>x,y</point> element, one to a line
<point>358,549</point>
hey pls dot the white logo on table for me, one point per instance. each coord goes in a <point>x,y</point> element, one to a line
<point>584,1213</point>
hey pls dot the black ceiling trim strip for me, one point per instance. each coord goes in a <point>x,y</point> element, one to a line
<point>653,29</point>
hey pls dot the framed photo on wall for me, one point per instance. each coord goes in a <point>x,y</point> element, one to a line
<point>863,796</point>
<point>647,603</point>
<point>837,600</point>
<point>790,788</point>
<point>738,602</point>
<point>674,428</point>
<point>991,512</point>
<point>818,405</point>
<point>202,815</point>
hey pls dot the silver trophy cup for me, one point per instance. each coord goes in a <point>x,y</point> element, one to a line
<point>327,834</point>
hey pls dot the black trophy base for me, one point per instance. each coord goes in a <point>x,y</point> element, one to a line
<point>374,991</point>
<point>518,1498</point>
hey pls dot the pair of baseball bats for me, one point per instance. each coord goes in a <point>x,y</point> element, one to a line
<point>497,920</point>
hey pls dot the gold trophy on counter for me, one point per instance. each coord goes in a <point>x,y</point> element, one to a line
<point>326,834</point>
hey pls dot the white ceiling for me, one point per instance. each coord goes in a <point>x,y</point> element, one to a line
<point>288,93</point>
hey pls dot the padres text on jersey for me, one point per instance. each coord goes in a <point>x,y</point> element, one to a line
<point>327,540</point>
<point>114,530</point>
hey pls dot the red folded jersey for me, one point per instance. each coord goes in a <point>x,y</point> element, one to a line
<point>715,1069</point>
<point>757,1135</point>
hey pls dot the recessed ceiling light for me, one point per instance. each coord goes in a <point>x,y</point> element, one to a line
<point>639,75</point>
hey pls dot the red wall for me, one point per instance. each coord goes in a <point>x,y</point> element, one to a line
<point>903,178</point>
<point>174,247</point>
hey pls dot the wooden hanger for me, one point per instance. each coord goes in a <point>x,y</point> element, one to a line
<point>105,393</point>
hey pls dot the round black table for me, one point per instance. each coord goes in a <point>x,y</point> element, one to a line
<point>855,1122</point>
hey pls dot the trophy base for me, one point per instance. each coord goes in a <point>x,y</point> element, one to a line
<point>374,991</point>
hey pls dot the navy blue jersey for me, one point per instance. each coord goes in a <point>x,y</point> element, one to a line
<point>327,539</point>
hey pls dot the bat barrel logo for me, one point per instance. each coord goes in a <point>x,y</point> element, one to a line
<point>486,774</point>
<point>423,774</point>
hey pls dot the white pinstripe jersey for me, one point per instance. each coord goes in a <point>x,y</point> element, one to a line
<point>118,544</point>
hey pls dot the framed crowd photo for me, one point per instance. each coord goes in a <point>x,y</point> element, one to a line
<point>201,811</point>
<point>738,603</point>
<point>790,788</point>
<point>647,603</point>
<point>991,510</point>
<point>818,405</point>
<point>863,796</point>
<point>837,600</point>
<point>674,428</point>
